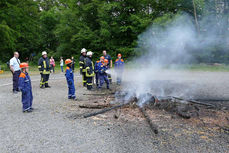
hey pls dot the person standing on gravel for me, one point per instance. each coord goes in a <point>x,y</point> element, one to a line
<point>108,57</point>
<point>82,66</point>
<point>25,88</point>
<point>52,64</point>
<point>44,68</point>
<point>89,70</point>
<point>15,69</point>
<point>61,64</point>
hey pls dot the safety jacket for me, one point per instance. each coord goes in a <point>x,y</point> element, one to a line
<point>44,66</point>
<point>82,63</point>
<point>119,64</point>
<point>97,66</point>
<point>89,67</point>
<point>102,69</point>
<point>69,76</point>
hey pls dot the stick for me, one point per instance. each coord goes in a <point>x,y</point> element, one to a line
<point>98,106</point>
<point>152,125</point>
<point>104,110</point>
<point>195,102</point>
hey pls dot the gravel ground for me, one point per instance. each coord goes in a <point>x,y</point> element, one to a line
<point>50,129</point>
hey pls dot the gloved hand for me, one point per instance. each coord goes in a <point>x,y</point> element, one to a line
<point>89,72</point>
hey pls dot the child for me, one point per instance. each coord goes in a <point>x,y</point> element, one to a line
<point>25,87</point>
<point>70,79</point>
<point>97,65</point>
<point>103,75</point>
<point>119,67</point>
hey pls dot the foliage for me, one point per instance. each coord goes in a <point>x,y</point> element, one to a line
<point>64,27</point>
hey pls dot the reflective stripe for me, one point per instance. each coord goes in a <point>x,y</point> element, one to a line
<point>81,62</point>
<point>90,84</point>
<point>84,70</point>
<point>81,67</point>
<point>46,72</point>
<point>39,66</point>
<point>44,64</point>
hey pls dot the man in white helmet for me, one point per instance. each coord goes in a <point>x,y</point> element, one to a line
<point>89,70</point>
<point>82,66</point>
<point>44,68</point>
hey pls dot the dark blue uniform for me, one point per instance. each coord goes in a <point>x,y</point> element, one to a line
<point>103,76</point>
<point>89,72</point>
<point>25,87</point>
<point>70,81</point>
<point>97,72</point>
<point>119,68</point>
<point>44,68</point>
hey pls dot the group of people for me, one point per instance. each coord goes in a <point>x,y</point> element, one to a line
<point>88,70</point>
<point>99,69</point>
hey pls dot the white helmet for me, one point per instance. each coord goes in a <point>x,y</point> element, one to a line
<point>83,50</point>
<point>44,53</point>
<point>89,53</point>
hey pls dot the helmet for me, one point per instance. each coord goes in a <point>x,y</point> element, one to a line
<point>89,53</point>
<point>102,58</point>
<point>68,61</point>
<point>83,50</point>
<point>119,55</point>
<point>24,65</point>
<point>44,53</point>
<point>106,61</point>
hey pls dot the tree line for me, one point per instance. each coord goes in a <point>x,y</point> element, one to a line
<point>64,27</point>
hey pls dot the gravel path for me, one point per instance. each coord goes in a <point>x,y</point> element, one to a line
<point>48,129</point>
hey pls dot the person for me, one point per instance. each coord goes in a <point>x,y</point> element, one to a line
<point>15,69</point>
<point>73,64</point>
<point>119,67</point>
<point>108,57</point>
<point>61,64</point>
<point>70,79</point>
<point>103,75</point>
<point>52,64</point>
<point>97,65</point>
<point>82,66</point>
<point>44,68</point>
<point>25,87</point>
<point>89,70</point>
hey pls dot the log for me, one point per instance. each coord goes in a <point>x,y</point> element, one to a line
<point>105,110</point>
<point>93,106</point>
<point>148,120</point>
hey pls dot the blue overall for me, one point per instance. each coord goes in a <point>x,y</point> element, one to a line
<point>119,68</point>
<point>70,81</point>
<point>24,85</point>
<point>96,69</point>
<point>103,76</point>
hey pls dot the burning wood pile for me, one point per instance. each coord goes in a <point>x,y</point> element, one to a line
<point>185,108</point>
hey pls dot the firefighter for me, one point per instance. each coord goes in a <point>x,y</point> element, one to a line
<point>119,67</point>
<point>70,79</point>
<point>44,68</point>
<point>97,65</point>
<point>82,66</point>
<point>103,76</point>
<point>109,65</point>
<point>24,85</point>
<point>89,70</point>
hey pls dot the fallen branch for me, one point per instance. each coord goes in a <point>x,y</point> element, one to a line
<point>105,110</point>
<point>195,102</point>
<point>152,125</point>
<point>93,106</point>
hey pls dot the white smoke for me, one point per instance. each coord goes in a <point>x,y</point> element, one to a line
<point>164,49</point>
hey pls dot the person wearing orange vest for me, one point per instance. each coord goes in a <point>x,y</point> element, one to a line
<point>96,69</point>
<point>70,79</point>
<point>24,85</point>
<point>119,68</point>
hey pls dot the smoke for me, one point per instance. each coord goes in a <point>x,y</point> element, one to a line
<point>163,49</point>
